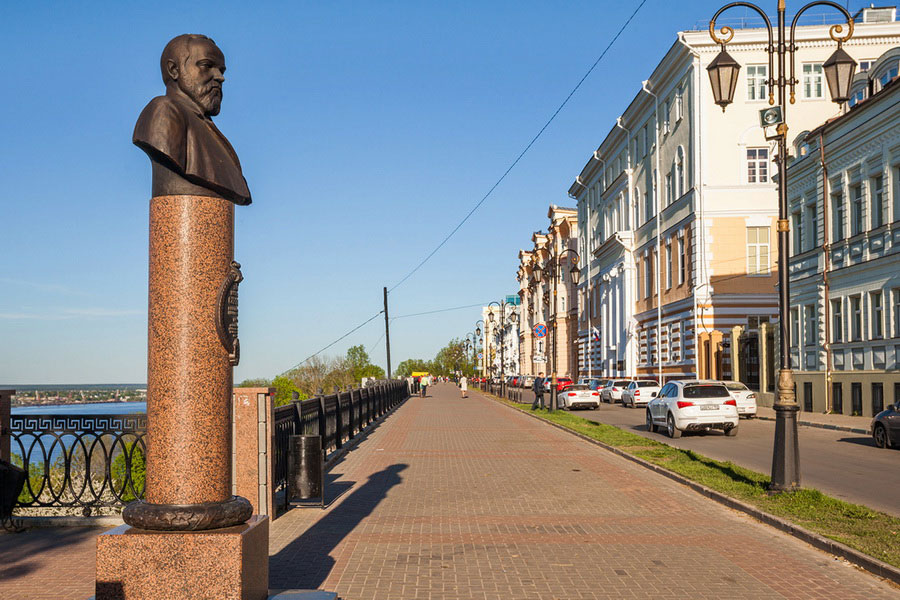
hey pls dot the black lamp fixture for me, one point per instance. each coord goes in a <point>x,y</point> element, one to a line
<point>723,75</point>
<point>839,70</point>
<point>537,272</point>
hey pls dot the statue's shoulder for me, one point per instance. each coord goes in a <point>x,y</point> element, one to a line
<point>162,108</point>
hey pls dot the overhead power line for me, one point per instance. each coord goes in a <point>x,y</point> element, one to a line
<point>440,310</point>
<point>526,149</point>
<point>360,326</point>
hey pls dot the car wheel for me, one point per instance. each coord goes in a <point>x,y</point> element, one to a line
<point>595,407</point>
<point>673,431</point>
<point>880,435</point>
<point>651,426</point>
<point>731,431</point>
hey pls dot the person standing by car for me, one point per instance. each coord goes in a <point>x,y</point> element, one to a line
<point>538,388</point>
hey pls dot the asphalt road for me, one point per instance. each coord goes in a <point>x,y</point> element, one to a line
<point>841,464</point>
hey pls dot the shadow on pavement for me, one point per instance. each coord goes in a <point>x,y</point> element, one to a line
<point>22,552</point>
<point>305,562</point>
<point>861,441</point>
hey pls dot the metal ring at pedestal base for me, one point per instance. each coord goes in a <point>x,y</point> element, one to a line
<point>188,517</point>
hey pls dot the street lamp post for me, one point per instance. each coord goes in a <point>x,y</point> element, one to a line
<point>479,324</point>
<point>723,76</point>
<point>554,270</point>
<point>512,317</point>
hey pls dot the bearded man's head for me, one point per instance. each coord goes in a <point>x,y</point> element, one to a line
<point>193,64</point>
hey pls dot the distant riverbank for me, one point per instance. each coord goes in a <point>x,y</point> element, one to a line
<point>81,408</point>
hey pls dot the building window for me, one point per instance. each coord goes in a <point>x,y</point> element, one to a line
<point>837,398</point>
<point>655,264</point>
<point>865,65</point>
<point>670,191</point>
<point>837,212</point>
<point>856,206</point>
<point>855,318</point>
<point>798,232</point>
<point>679,104</point>
<point>877,194</point>
<point>645,140</point>
<point>655,192</point>
<point>757,250</point>
<point>666,111</point>
<point>811,332</point>
<point>812,80</point>
<point>679,172</point>
<point>895,293</point>
<point>795,326</point>
<point>756,82</point>
<point>812,226</point>
<point>648,206</point>
<point>669,265</point>
<point>757,165</point>
<point>876,303</point>
<point>647,275</point>
<point>837,322</point>
<point>856,398</point>
<point>887,76</point>
<point>682,262</point>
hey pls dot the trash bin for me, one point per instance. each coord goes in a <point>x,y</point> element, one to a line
<point>306,466</point>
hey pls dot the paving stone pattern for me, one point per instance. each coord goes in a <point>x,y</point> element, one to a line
<point>465,498</point>
<point>453,498</point>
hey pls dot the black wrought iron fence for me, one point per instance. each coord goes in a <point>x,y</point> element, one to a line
<point>82,461</point>
<point>337,417</point>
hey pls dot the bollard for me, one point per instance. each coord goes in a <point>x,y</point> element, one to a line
<point>306,468</point>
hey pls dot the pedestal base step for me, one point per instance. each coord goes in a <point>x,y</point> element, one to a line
<point>301,595</point>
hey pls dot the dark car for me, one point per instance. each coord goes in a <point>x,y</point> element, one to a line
<point>886,427</point>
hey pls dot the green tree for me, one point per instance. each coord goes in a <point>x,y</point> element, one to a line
<point>408,366</point>
<point>258,382</point>
<point>284,389</point>
<point>118,470</point>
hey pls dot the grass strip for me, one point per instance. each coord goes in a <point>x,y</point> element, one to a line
<point>872,532</point>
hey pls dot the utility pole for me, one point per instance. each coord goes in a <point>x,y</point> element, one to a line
<point>387,334</point>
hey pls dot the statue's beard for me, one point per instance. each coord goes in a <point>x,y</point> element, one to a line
<point>209,97</point>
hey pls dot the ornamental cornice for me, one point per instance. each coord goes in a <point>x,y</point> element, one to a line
<point>857,154</point>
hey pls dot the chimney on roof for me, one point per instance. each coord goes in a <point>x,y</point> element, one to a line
<point>876,14</point>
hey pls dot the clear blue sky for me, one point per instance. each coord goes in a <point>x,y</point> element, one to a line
<point>366,131</point>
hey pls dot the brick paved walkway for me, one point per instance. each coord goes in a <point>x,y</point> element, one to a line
<point>452,498</point>
<point>467,499</point>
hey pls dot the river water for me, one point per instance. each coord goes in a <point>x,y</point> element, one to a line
<point>97,408</point>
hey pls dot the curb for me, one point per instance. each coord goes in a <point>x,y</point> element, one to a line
<point>864,561</point>
<point>824,426</point>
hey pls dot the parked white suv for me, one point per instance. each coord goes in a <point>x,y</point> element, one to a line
<point>693,405</point>
<point>639,391</point>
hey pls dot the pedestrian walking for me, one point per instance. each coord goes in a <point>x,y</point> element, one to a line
<point>424,384</point>
<point>464,386</point>
<point>538,391</point>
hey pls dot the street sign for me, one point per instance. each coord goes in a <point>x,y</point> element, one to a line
<point>481,355</point>
<point>539,358</point>
<point>540,330</point>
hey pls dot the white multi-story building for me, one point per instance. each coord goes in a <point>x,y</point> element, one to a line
<point>501,343</point>
<point>677,210</point>
<point>844,193</point>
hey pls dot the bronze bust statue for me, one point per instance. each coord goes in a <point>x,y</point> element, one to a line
<point>190,156</point>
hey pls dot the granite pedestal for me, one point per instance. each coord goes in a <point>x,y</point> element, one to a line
<point>219,564</point>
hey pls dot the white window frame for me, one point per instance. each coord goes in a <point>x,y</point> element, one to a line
<point>682,260</point>
<point>809,314</point>
<point>857,209</point>
<point>669,264</point>
<point>837,321</point>
<point>876,306</point>
<point>679,104</point>
<point>754,252</point>
<point>757,169</point>
<point>666,119</point>
<point>679,172</point>
<point>876,193</point>
<point>795,326</point>
<point>757,83</point>
<point>856,324</point>
<point>812,81</point>
<point>895,301</point>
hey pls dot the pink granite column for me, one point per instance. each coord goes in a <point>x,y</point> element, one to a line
<point>189,370</point>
